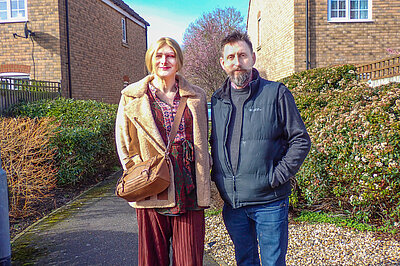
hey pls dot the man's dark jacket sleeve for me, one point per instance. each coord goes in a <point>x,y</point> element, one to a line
<point>298,140</point>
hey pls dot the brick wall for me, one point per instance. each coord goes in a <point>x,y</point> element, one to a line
<point>335,43</point>
<point>45,49</point>
<point>275,46</point>
<point>100,62</point>
<point>10,68</point>
<point>99,59</point>
<point>283,31</point>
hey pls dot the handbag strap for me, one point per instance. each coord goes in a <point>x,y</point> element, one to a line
<point>174,129</point>
<point>175,124</point>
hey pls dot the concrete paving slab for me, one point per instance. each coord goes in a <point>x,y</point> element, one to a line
<point>97,228</point>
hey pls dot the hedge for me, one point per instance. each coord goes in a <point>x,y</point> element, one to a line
<point>84,138</point>
<point>353,166</point>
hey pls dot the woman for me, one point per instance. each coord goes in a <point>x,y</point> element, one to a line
<point>145,114</point>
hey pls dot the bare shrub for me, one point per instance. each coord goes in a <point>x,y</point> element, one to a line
<point>28,161</point>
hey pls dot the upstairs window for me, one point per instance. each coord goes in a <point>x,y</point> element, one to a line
<point>349,10</point>
<point>13,11</point>
<point>259,30</point>
<point>123,23</point>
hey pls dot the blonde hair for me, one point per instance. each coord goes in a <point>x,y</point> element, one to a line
<point>157,45</point>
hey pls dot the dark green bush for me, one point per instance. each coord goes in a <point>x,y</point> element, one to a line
<point>353,165</point>
<point>84,139</point>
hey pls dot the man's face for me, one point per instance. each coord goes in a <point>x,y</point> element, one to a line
<point>238,61</point>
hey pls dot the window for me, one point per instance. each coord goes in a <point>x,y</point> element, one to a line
<point>123,23</point>
<point>13,10</point>
<point>349,10</point>
<point>259,29</point>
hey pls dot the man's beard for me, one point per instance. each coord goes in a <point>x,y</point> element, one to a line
<point>241,77</point>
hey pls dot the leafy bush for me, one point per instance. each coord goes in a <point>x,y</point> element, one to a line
<point>353,165</point>
<point>27,158</point>
<point>84,139</point>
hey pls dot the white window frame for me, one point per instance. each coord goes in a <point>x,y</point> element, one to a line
<point>123,25</point>
<point>17,19</point>
<point>15,75</point>
<point>347,13</point>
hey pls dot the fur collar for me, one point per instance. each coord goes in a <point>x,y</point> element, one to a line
<point>138,109</point>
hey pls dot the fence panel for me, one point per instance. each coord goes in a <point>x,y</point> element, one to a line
<point>13,91</point>
<point>386,68</point>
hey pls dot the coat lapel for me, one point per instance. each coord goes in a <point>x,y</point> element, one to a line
<point>138,110</point>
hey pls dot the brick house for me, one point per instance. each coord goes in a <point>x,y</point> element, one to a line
<point>91,46</point>
<point>336,32</point>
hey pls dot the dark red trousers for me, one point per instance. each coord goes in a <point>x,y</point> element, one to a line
<point>185,231</point>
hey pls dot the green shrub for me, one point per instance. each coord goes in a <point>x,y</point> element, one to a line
<point>353,164</point>
<point>84,139</point>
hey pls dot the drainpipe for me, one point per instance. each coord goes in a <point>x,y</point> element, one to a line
<point>147,72</point>
<point>146,36</point>
<point>68,50</point>
<point>307,41</point>
<point>5,247</point>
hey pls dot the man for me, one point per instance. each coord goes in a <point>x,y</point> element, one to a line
<point>258,141</point>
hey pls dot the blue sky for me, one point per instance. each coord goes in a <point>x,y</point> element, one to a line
<point>171,18</point>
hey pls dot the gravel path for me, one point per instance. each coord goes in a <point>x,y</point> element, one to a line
<point>313,244</point>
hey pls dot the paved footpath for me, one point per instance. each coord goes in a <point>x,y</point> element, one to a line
<point>97,228</point>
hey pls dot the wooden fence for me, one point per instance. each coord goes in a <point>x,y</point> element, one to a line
<point>381,69</point>
<point>13,91</point>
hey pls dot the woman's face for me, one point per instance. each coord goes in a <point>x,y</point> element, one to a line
<point>164,62</point>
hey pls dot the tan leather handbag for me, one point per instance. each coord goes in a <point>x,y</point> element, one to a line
<point>150,177</point>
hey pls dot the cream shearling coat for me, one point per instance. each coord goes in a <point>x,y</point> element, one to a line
<point>136,131</point>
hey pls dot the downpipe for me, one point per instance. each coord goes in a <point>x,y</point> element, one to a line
<point>5,247</point>
<point>307,39</point>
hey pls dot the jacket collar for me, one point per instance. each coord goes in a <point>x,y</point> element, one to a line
<point>224,92</point>
<point>139,88</point>
<point>138,108</point>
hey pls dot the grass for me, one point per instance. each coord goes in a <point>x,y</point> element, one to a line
<point>342,221</point>
<point>212,212</point>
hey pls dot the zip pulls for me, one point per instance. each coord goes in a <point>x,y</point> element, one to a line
<point>235,197</point>
<point>227,162</point>
<point>227,121</point>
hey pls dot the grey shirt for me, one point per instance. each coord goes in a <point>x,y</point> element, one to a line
<point>238,97</point>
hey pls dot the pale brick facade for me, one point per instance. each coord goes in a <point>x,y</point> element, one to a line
<point>274,52</point>
<point>283,35</point>
<point>46,63</point>
<point>100,61</point>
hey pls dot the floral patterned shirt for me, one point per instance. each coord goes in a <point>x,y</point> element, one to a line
<point>181,154</point>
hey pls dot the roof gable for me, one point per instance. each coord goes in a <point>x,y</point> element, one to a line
<point>130,11</point>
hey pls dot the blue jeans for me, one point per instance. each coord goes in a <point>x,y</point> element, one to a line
<point>264,225</point>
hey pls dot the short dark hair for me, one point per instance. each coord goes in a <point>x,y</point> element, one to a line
<point>236,36</point>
